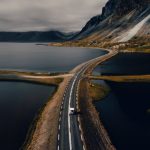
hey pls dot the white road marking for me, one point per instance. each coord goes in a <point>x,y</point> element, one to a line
<point>61,107</point>
<point>59,126</point>
<point>62,102</point>
<point>60,119</point>
<point>60,113</point>
<point>76,99</point>
<point>58,147</point>
<point>58,137</point>
<point>82,70</point>
<point>70,96</point>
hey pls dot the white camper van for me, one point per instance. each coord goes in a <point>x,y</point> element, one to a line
<point>71,111</point>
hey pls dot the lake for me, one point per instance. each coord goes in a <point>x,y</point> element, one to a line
<point>20,102</point>
<point>125,115</point>
<point>125,64</point>
<point>28,56</point>
<point>125,112</point>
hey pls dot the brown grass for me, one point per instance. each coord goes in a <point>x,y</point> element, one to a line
<point>44,136</point>
<point>94,132</point>
<point>32,77</point>
<point>97,91</point>
<point>13,72</point>
<point>128,78</point>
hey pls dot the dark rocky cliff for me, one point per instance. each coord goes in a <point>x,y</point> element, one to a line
<point>113,11</point>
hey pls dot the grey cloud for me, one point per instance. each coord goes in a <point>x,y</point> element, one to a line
<point>64,15</point>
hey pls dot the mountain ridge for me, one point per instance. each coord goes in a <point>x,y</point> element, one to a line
<point>35,36</point>
<point>116,15</point>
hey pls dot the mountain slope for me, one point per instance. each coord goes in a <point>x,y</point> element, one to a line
<point>133,31</point>
<point>119,18</point>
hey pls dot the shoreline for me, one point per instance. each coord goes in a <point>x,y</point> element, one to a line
<point>38,118</point>
<point>32,77</point>
<point>130,51</point>
<point>48,139</point>
<point>92,116</point>
<point>43,132</point>
<point>122,78</point>
<point>91,122</point>
<point>28,77</point>
<point>75,45</point>
<point>33,124</point>
<point>47,123</point>
<point>73,71</point>
<point>92,47</point>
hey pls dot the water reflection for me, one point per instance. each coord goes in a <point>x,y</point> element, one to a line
<point>19,102</point>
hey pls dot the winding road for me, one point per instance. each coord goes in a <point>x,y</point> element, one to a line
<point>70,136</point>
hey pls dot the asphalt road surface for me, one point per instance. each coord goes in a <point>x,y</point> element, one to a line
<point>69,130</point>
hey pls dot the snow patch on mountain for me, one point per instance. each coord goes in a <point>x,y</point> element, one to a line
<point>132,32</point>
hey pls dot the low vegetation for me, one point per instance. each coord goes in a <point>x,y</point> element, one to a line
<point>32,77</point>
<point>6,72</point>
<point>32,127</point>
<point>97,91</point>
<point>148,111</point>
<point>123,78</point>
<point>90,121</point>
<point>137,44</point>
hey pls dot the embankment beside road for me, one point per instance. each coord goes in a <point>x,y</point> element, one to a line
<point>33,77</point>
<point>94,132</point>
<point>45,133</point>
<point>45,123</point>
<point>123,78</point>
<point>95,135</point>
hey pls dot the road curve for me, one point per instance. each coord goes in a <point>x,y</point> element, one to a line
<point>69,130</point>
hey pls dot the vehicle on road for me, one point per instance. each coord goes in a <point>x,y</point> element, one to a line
<point>72,111</point>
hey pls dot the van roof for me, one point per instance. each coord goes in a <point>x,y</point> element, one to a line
<point>72,109</point>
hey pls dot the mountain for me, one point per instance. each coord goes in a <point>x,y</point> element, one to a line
<point>34,36</point>
<point>120,21</point>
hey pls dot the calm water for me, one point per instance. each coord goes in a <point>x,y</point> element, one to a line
<point>127,63</point>
<point>28,56</point>
<point>19,103</point>
<point>124,114</point>
<point>124,111</point>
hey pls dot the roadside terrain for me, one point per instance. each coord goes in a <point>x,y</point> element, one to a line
<point>123,25</point>
<point>33,77</point>
<point>123,78</point>
<point>44,132</point>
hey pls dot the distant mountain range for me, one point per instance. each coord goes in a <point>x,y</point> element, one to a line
<point>35,36</point>
<point>120,21</point>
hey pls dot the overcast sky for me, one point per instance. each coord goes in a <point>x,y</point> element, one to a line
<point>63,15</point>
